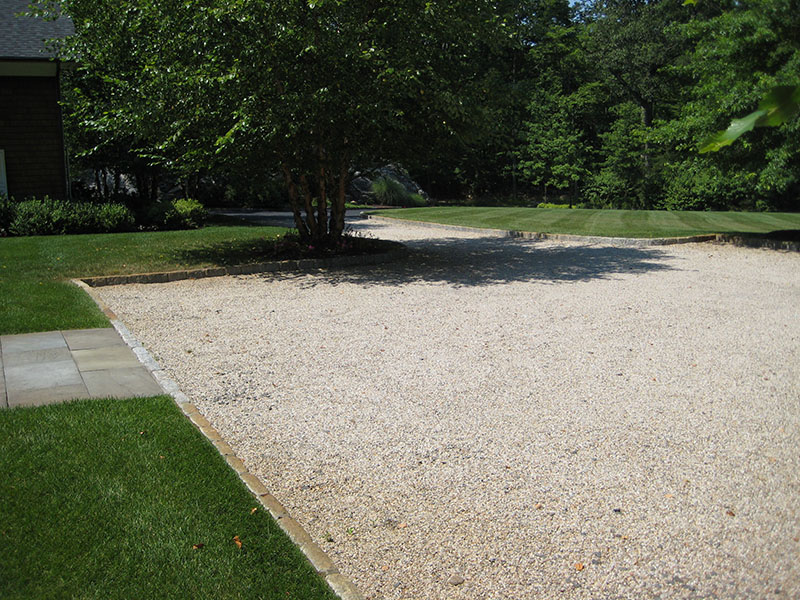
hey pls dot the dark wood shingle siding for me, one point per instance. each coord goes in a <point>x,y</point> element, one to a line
<point>30,134</point>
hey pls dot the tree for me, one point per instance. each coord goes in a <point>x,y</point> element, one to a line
<point>308,86</point>
<point>745,55</point>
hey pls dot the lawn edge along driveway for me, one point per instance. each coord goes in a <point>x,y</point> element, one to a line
<point>340,584</point>
<point>617,227</point>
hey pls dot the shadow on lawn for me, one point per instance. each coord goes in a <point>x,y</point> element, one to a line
<point>490,260</point>
<point>235,252</point>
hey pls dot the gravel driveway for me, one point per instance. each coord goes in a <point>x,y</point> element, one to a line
<point>498,418</point>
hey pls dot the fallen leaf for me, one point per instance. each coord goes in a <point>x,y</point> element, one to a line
<point>237,541</point>
<point>161,456</point>
<point>255,508</point>
<point>385,568</point>
<point>668,496</point>
<point>579,566</point>
<point>402,525</point>
<point>730,513</point>
<point>538,506</point>
<point>198,546</point>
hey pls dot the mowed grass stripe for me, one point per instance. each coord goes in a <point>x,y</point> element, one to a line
<point>606,223</point>
<point>108,499</point>
<point>35,294</point>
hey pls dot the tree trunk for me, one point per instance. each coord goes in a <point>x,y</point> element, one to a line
<point>322,204</point>
<point>106,192</point>
<point>98,189</point>
<point>153,188</point>
<point>291,186</point>
<point>308,200</point>
<point>336,227</point>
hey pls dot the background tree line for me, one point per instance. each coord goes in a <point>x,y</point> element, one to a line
<point>602,103</point>
<point>608,101</point>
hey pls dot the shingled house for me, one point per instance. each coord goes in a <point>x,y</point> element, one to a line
<point>32,157</point>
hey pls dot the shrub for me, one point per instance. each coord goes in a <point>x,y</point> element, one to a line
<point>390,192</point>
<point>606,189</point>
<point>181,213</point>
<point>55,217</point>
<point>36,217</point>
<point>113,218</point>
<point>699,185</point>
<point>552,205</point>
<point>6,214</point>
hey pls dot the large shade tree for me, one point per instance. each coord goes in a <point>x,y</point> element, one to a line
<point>308,87</point>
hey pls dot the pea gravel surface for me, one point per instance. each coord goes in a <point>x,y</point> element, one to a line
<point>497,418</point>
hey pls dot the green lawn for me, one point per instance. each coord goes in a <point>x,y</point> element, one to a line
<point>106,499</point>
<point>36,296</point>
<point>607,223</point>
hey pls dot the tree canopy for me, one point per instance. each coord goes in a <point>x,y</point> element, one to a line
<point>604,103</point>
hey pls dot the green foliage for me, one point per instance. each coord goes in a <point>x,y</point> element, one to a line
<point>303,88</point>
<point>390,192</point>
<point>552,205</point>
<point>743,57</point>
<point>697,184</point>
<point>6,214</point>
<point>600,100</point>
<point>180,213</point>
<point>47,216</point>
<point>778,106</point>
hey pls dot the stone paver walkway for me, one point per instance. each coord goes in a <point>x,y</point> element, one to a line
<point>54,366</point>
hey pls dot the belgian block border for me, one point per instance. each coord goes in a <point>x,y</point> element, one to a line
<point>341,585</point>
<point>304,265</point>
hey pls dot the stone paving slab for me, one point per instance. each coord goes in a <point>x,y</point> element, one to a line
<point>84,339</point>
<point>3,398</point>
<point>108,357</point>
<point>44,396</point>
<point>26,342</point>
<point>126,382</point>
<point>55,366</point>
<point>33,357</point>
<point>42,375</point>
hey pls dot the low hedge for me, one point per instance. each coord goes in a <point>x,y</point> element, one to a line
<point>181,213</point>
<point>47,216</point>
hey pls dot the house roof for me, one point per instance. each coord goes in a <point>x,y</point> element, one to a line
<point>24,37</point>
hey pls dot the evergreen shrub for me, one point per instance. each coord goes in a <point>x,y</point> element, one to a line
<point>47,216</point>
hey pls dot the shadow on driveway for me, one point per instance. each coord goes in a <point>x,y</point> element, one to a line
<point>491,260</point>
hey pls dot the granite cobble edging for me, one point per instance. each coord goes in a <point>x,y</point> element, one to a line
<point>721,238</point>
<point>397,251</point>
<point>756,242</point>
<point>341,585</point>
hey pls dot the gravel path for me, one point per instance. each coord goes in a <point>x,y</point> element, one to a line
<point>500,418</point>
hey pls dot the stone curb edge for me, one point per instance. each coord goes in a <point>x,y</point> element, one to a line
<point>301,265</point>
<point>320,561</point>
<point>721,238</point>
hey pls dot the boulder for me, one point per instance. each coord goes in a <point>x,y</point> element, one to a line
<point>360,190</point>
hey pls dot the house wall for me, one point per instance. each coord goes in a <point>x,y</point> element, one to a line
<point>31,136</point>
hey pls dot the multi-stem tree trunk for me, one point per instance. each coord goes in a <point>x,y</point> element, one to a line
<point>311,197</point>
